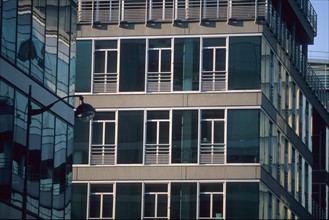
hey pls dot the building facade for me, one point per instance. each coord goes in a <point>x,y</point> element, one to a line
<point>205,109</point>
<point>37,52</point>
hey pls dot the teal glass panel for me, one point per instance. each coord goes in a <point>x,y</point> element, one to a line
<point>128,201</point>
<point>8,30</point>
<point>185,136</point>
<point>243,136</point>
<point>130,137</point>
<point>51,48</point>
<point>132,76</point>
<point>38,39</point>
<point>25,50</point>
<point>242,200</point>
<point>63,56</point>
<point>81,142</point>
<point>244,63</point>
<point>83,66</point>
<point>79,200</point>
<point>183,199</point>
<point>186,64</point>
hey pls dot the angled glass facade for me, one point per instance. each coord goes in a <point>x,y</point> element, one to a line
<point>37,51</point>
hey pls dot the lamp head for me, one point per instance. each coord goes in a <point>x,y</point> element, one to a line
<point>84,112</point>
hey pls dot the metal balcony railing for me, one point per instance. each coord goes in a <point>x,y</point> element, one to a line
<point>116,11</point>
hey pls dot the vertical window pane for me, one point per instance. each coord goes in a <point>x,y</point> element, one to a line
<point>153,61</point>
<point>166,61</point>
<point>183,200</point>
<point>208,59</point>
<point>220,59</point>
<point>107,205</point>
<point>151,133</point>
<point>242,200</point>
<point>99,61</point>
<point>217,206</point>
<point>83,66</point>
<point>164,133</point>
<point>244,63</point>
<point>243,136</point>
<point>219,132</point>
<point>94,210</point>
<point>81,142</point>
<point>97,133</point>
<point>185,136</point>
<point>149,209</point>
<point>162,206</point>
<point>112,58</point>
<point>109,133</point>
<point>206,132</point>
<point>186,64</point>
<point>132,76</point>
<point>205,205</point>
<point>130,137</point>
<point>128,201</point>
<point>79,201</point>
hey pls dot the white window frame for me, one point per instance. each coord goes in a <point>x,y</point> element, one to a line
<point>106,149</point>
<point>217,79</point>
<point>109,81</point>
<point>159,81</point>
<point>211,146</point>
<point>162,153</point>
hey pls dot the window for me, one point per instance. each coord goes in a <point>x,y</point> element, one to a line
<point>213,74</point>
<point>184,136</point>
<point>156,201</point>
<point>186,64</point>
<point>130,137</point>
<point>132,76</point>
<point>105,67</point>
<point>81,143</point>
<point>183,200</point>
<point>243,136</point>
<point>83,66</point>
<point>79,201</point>
<point>159,75</point>
<point>103,139</point>
<point>128,201</point>
<point>101,201</point>
<point>211,201</point>
<point>212,146</point>
<point>157,137</point>
<point>244,63</point>
<point>242,200</point>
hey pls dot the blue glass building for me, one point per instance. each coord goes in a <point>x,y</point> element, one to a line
<point>37,50</point>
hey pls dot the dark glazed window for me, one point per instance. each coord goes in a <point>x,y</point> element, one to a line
<point>130,137</point>
<point>243,136</point>
<point>128,201</point>
<point>132,66</point>
<point>183,201</point>
<point>79,200</point>
<point>185,136</point>
<point>81,142</point>
<point>83,66</point>
<point>186,64</point>
<point>244,63</point>
<point>242,200</point>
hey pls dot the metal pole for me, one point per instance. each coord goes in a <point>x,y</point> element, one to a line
<point>27,146</point>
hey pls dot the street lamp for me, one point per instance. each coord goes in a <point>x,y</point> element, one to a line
<point>84,112</point>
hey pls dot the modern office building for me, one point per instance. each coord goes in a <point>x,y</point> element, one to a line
<point>205,109</point>
<point>37,50</point>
